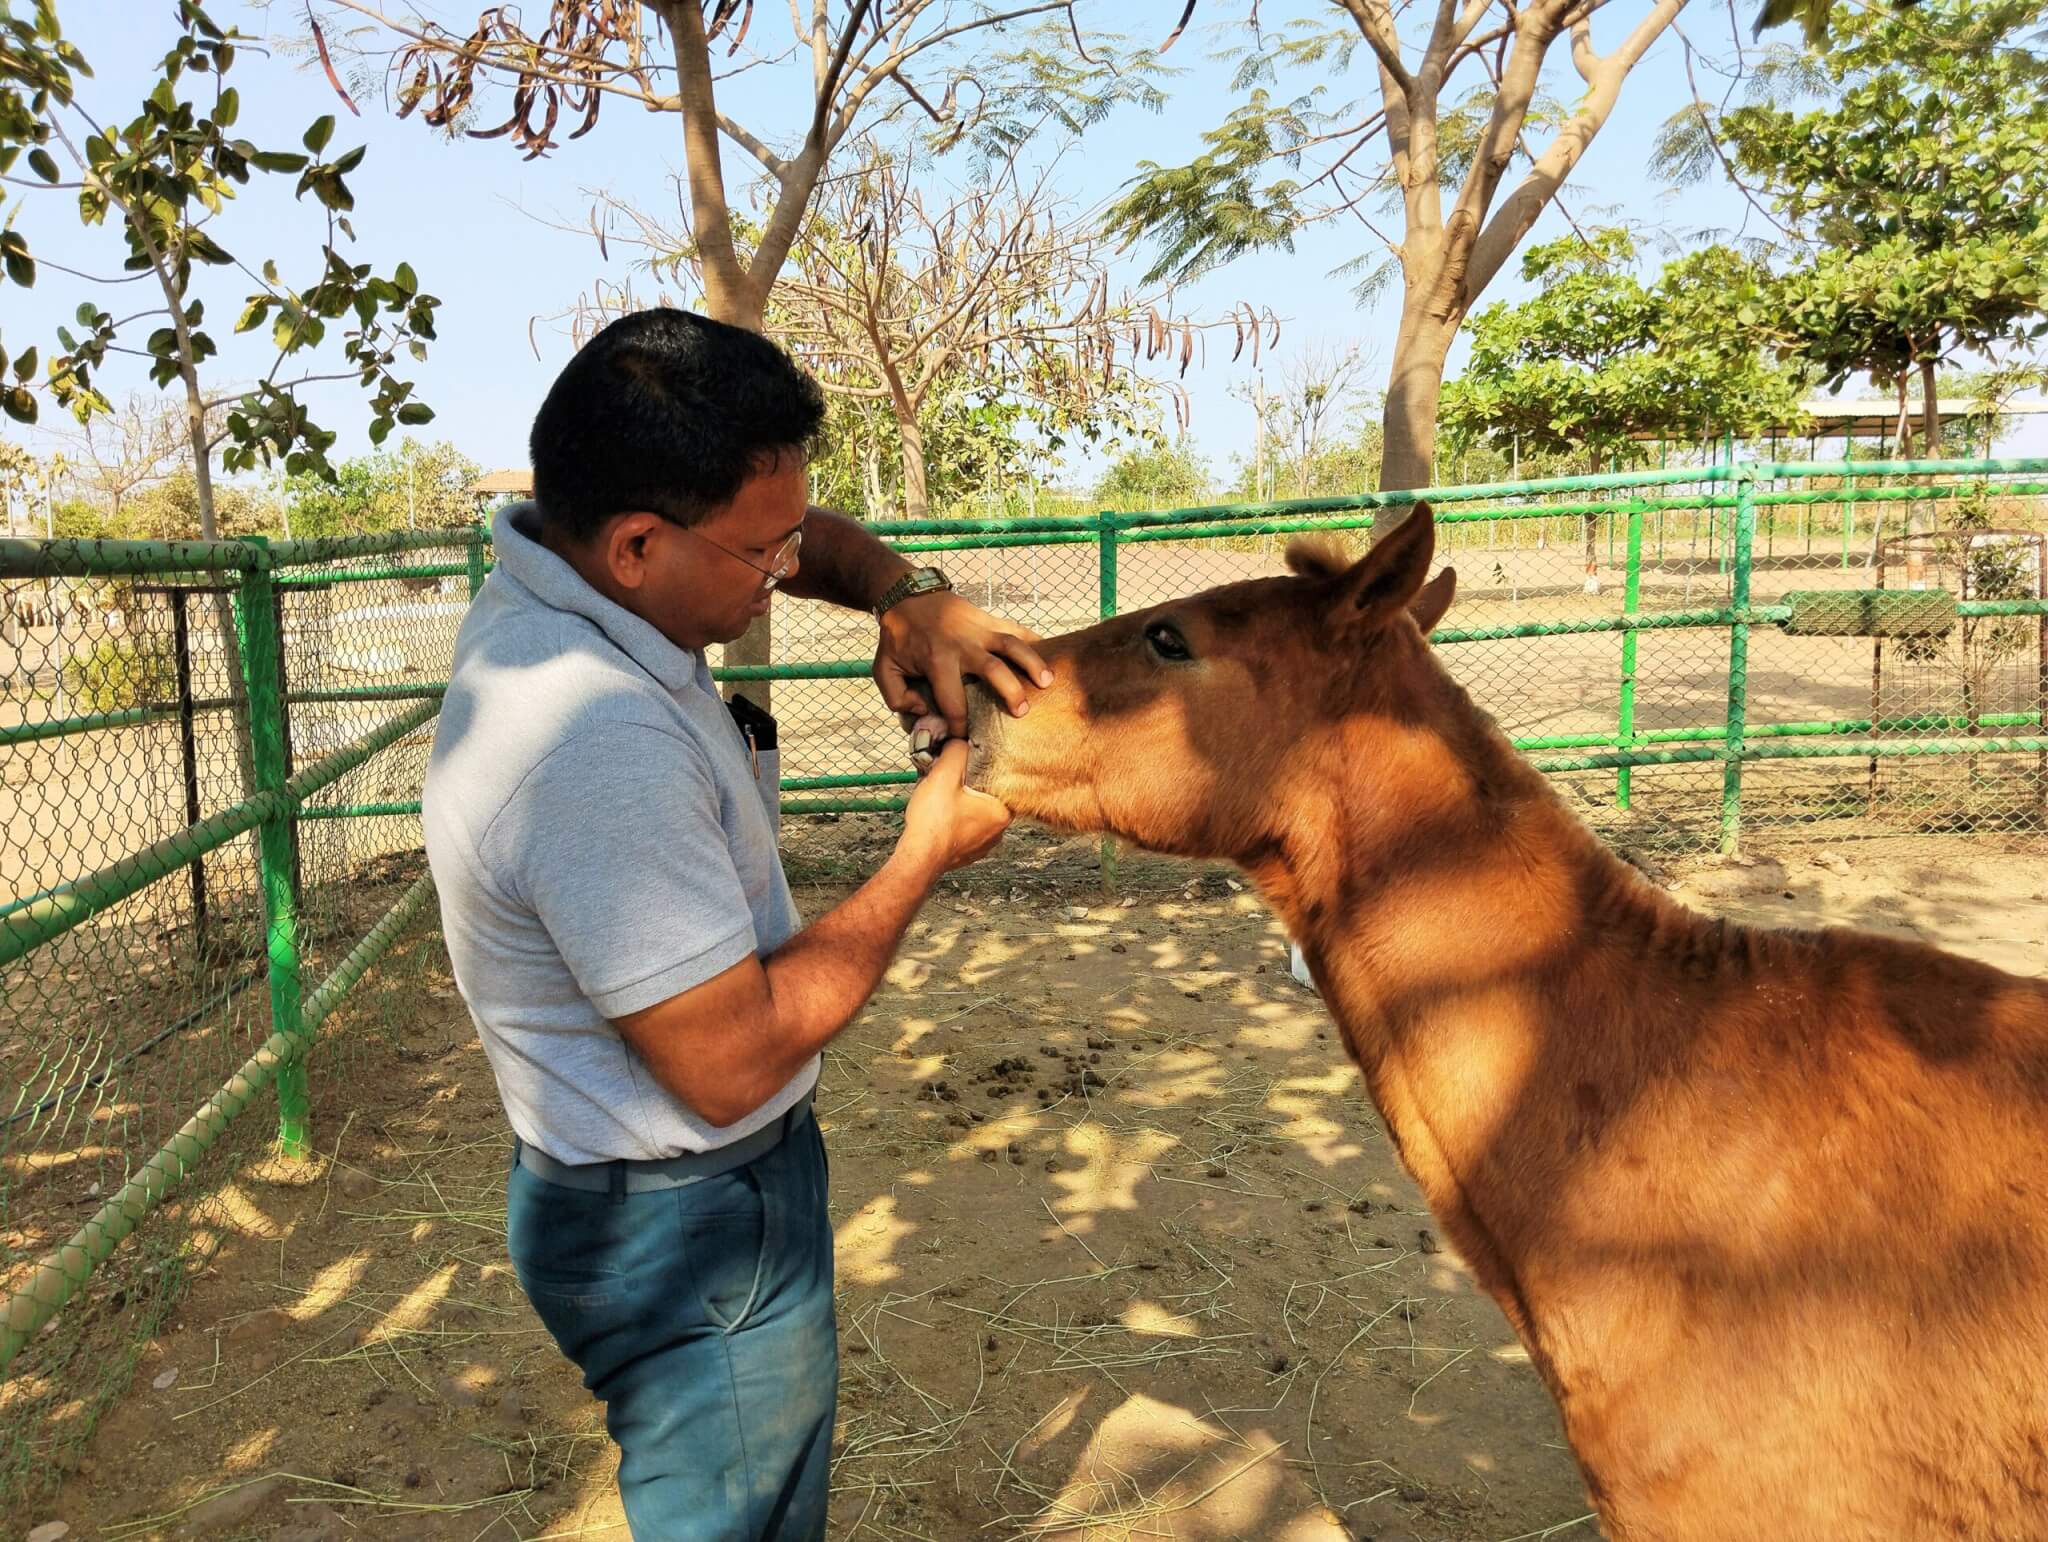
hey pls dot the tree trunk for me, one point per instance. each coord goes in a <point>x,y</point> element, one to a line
<point>223,604</point>
<point>1592,580</point>
<point>1413,390</point>
<point>878,501</point>
<point>731,294</point>
<point>1930,413</point>
<point>1259,494</point>
<point>1920,512</point>
<point>916,498</point>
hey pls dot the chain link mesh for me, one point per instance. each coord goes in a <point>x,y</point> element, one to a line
<point>1595,623</point>
<point>1598,623</point>
<point>126,734</point>
<point>1918,690</point>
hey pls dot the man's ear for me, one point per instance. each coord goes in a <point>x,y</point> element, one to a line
<point>622,544</point>
<point>1383,581</point>
<point>1433,599</point>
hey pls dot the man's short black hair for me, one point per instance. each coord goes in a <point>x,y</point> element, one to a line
<point>666,412</point>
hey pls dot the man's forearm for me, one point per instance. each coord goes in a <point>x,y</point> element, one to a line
<point>729,1045</point>
<point>842,563</point>
<point>823,976</point>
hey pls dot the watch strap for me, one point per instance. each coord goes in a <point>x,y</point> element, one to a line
<point>916,581</point>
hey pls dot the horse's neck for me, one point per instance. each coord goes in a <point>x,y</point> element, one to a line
<point>1473,940</point>
<point>1442,864</point>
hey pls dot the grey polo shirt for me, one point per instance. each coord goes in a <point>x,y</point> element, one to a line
<point>601,840</point>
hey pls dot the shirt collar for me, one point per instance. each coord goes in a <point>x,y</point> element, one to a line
<point>551,580</point>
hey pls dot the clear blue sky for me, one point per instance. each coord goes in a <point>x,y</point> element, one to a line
<point>475,220</point>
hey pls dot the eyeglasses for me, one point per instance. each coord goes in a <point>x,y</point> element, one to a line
<point>779,565</point>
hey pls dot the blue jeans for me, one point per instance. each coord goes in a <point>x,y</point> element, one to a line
<point>702,1315</point>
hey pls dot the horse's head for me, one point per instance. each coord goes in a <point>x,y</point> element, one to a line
<point>1210,726</point>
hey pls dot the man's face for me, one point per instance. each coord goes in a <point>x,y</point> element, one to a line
<point>706,583</point>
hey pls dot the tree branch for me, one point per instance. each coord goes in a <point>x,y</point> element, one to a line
<point>1376,22</point>
<point>90,278</point>
<point>1720,154</point>
<point>771,163</point>
<point>799,179</point>
<point>873,75</point>
<point>1514,217</point>
<point>835,72</point>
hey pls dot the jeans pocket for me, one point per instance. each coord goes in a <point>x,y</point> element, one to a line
<point>725,1226</point>
<point>574,1247</point>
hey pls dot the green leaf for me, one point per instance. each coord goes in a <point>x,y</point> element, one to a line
<point>413,414</point>
<point>293,333</point>
<point>88,314</point>
<point>277,160</point>
<point>253,313</point>
<point>333,192</point>
<point>228,108</point>
<point>407,281</point>
<point>43,164</point>
<point>317,136</point>
<point>19,404</point>
<point>380,430</point>
<point>351,161</point>
<point>196,17</point>
<point>21,267</point>
<point>25,366</point>
<point>206,249</point>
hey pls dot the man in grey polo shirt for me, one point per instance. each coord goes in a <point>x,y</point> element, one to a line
<point>601,829</point>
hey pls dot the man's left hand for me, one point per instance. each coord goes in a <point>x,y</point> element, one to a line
<point>938,639</point>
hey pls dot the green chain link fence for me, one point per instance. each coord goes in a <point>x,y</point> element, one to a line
<point>212,757</point>
<point>1687,651</point>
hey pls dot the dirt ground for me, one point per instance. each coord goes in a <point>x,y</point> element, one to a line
<point>1123,1251</point>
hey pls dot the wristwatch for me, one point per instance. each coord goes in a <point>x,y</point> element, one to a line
<point>916,581</point>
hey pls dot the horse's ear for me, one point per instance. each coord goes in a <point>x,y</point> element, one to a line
<point>1433,599</point>
<point>1383,581</point>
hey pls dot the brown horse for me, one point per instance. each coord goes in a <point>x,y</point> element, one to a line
<point>1769,1209</point>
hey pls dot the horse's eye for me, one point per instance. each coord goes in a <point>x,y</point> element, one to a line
<point>1167,643</point>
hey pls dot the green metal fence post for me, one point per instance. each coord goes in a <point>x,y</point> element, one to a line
<point>1106,607</point>
<point>1743,538</point>
<point>256,616</point>
<point>1631,605</point>
<point>475,554</point>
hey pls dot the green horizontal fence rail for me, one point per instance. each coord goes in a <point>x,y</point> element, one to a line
<point>1706,559</point>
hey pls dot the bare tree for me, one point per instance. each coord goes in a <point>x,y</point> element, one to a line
<point>1319,391</point>
<point>1433,142</point>
<point>114,455</point>
<point>865,61</point>
<point>997,290</point>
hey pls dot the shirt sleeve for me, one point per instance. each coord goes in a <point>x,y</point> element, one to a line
<point>615,843</point>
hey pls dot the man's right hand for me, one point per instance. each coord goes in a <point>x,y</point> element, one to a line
<point>948,823</point>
